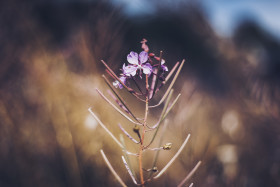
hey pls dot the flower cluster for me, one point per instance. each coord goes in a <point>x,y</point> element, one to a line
<point>138,64</point>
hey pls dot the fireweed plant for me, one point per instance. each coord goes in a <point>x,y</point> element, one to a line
<point>149,74</point>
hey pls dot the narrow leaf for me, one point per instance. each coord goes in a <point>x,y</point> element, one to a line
<point>126,155</point>
<point>137,85</point>
<point>172,105</point>
<point>168,76</point>
<point>116,108</point>
<point>117,78</point>
<point>128,135</point>
<point>163,110</point>
<point>129,171</point>
<point>119,97</point>
<point>118,102</point>
<point>172,71</point>
<point>112,169</point>
<point>190,174</point>
<point>155,78</point>
<point>157,125</point>
<point>153,84</point>
<point>170,86</point>
<point>154,149</point>
<point>104,127</point>
<point>108,131</point>
<point>159,144</point>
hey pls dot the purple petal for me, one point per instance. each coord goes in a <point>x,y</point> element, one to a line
<point>164,68</point>
<point>147,68</point>
<point>123,79</point>
<point>130,70</point>
<point>124,69</point>
<point>143,57</point>
<point>162,61</point>
<point>132,58</point>
<point>116,83</point>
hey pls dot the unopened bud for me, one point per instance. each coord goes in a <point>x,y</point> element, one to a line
<point>167,146</point>
<point>151,54</point>
<point>136,129</point>
<point>155,169</point>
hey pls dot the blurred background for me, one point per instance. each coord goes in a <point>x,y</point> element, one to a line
<point>50,66</point>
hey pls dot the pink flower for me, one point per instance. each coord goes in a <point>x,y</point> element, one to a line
<point>137,63</point>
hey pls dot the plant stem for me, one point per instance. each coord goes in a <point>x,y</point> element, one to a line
<point>143,133</point>
<point>140,167</point>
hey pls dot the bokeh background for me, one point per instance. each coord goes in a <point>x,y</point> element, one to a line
<point>50,66</point>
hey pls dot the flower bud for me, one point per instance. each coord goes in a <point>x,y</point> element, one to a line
<point>151,54</point>
<point>136,129</point>
<point>155,169</point>
<point>167,146</point>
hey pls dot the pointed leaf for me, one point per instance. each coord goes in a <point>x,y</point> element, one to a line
<point>170,86</point>
<point>112,169</point>
<point>128,170</point>
<point>128,135</point>
<point>119,97</point>
<point>116,108</point>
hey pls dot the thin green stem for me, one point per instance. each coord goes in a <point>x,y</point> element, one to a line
<point>157,153</point>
